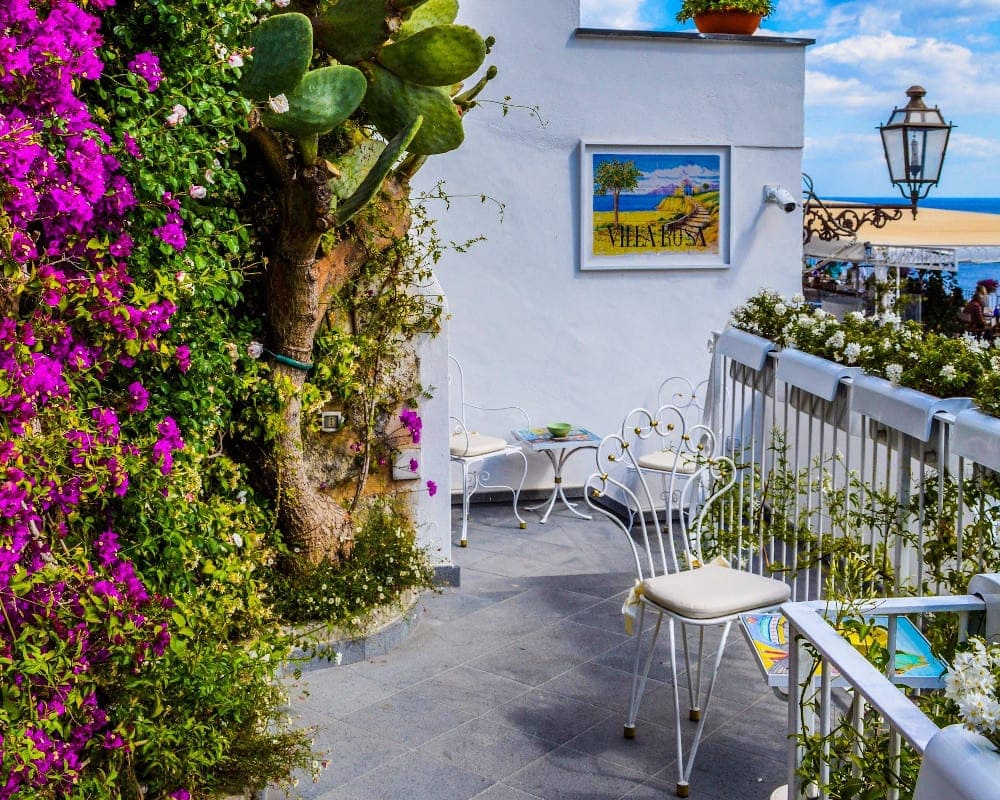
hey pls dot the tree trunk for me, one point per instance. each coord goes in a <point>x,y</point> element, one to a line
<point>299,287</point>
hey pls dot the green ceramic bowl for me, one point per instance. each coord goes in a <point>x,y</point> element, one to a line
<point>560,429</point>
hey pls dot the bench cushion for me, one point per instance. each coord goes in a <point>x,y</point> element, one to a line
<point>714,591</point>
<point>664,460</point>
<point>475,444</point>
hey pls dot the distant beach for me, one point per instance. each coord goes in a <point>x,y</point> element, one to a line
<point>974,263</point>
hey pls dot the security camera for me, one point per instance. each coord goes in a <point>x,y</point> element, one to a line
<point>779,195</point>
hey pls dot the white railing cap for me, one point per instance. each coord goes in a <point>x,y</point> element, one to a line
<point>745,348</point>
<point>812,374</point>
<point>976,436</point>
<point>900,407</point>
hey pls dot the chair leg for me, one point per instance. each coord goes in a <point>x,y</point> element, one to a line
<point>639,681</point>
<point>685,769</point>
<point>464,541</point>
<point>517,492</point>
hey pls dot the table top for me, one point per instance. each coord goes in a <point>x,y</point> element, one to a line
<point>541,439</point>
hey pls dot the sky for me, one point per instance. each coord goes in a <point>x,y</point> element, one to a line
<point>867,53</point>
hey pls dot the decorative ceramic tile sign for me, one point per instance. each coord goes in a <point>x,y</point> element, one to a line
<point>654,207</point>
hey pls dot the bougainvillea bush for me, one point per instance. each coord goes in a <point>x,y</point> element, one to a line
<point>136,658</point>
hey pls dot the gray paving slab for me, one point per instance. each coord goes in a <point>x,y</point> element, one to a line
<point>493,751</point>
<point>514,685</point>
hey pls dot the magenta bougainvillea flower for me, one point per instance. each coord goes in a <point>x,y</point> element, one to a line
<point>147,66</point>
<point>67,209</point>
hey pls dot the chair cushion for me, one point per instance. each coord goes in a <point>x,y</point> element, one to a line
<point>479,444</point>
<point>714,591</point>
<point>664,460</point>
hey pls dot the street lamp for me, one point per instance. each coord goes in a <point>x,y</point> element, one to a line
<point>915,139</point>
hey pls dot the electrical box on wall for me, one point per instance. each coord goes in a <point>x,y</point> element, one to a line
<point>331,421</point>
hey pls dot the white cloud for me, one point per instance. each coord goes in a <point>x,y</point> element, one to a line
<point>823,89</point>
<point>663,177</point>
<point>974,147</point>
<point>623,14</point>
<point>956,78</point>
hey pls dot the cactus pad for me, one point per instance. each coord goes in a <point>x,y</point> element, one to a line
<point>352,30</point>
<point>433,12</point>
<point>393,103</point>
<point>376,176</point>
<point>350,168</point>
<point>282,50</point>
<point>437,56</point>
<point>322,100</point>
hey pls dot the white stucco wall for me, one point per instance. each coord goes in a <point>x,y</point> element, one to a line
<point>528,325</point>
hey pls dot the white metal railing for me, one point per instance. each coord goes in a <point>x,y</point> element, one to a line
<point>835,462</point>
<point>812,638</point>
<point>828,454</point>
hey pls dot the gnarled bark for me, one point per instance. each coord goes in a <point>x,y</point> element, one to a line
<point>300,282</point>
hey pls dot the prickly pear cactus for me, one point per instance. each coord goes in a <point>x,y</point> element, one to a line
<point>352,97</point>
<point>322,100</point>
<point>282,49</point>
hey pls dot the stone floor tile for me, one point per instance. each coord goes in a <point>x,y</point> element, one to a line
<point>493,751</point>
<point>547,715</point>
<point>412,776</point>
<point>408,718</point>
<point>568,774</point>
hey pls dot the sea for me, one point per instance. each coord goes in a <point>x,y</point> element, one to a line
<point>974,263</point>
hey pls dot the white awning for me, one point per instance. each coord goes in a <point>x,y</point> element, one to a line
<point>881,255</point>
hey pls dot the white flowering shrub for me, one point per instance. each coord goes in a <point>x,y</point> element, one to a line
<point>972,682</point>
<point>902,352</point>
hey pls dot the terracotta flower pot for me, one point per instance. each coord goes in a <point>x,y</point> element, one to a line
<point>739,22</point>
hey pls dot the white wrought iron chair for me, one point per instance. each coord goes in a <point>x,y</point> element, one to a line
<point>655,455</point>
<point>673,578</point>
<point>472,450</point>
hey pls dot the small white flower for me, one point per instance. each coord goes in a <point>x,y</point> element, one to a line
<point>235,60</point>
<point>221,51</point>
<point>837,340</point>
<point>948,372</point>
<point>209,176</point>
<point>278,104</point>
<point>197,192</point>
<point>806,320</point>
<point>237,540</point>
<point>851,352</point>
<point>255,349</point>
<point>176,116</point>
<point>780,309</point>
<point>857,316</point>
<point>893,372</point>
<point>797,300</point>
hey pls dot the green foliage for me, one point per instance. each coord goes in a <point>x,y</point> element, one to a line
<point>386,563</point>
<point>690,8</point>
<point>364,345</point>
<point>207,713</point>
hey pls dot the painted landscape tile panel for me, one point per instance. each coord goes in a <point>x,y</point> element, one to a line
<point>654,206</point>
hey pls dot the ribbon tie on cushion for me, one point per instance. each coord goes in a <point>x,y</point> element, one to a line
<point>630,610</point>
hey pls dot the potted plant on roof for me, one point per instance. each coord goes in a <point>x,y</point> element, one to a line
<point>725,16</point>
